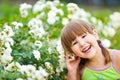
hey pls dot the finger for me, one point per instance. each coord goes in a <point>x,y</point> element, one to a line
<point>70,58</point>
<point>78,58</point>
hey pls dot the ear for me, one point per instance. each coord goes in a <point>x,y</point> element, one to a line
<point>95,34</point>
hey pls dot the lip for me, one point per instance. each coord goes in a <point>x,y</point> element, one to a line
<point>87,49</point>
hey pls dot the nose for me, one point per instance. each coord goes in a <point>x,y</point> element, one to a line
<point>81,42</point>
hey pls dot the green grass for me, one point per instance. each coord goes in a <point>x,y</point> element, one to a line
<point>8,12</point>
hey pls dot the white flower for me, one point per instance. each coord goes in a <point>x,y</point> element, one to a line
<point>51,20</point>
<point>115,19</point>
<point>39,6</point>
<point>42,31</point>
<point>36,54</point>
<point>57,11</point>
<point>38,43</point>
<point>48,65</point>
<point>9,41</point>
<point>59,47</point>
<point>37,32</point>
<point>5,37</point>
<point>10,66</point>
<point>94,20</point>
<point>22,69</point>
<point>65,21</point>
<point>43,72</point>
<point>24,9</point>
<point>51,17</point>
<point>99,25</point>
<point>61,57</point>
<point>34,23</point>
<point>41,15</point>
<point>49,4</point>
<point>2,49</point>
<point>8,31</point>
<point>19,79</point>
<point>50,50</point>
<point>24,13</point>
<point>36,28</point>
<point>6,58</point>
<point>72,7</point>
<point>18,65</point>
<point>28,69</point>
<point>79,14</point>
<point>53,43</point>
<point>25,6</point>
<point>106,43</point>
<point>61,63</point>
<point>8,49</point>
<point>109,31</point>
<point>38,76</point>
<point>17,24</point>
<point>13,66</point>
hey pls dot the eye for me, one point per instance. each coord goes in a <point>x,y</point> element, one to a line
<point>84,35</point>
<point>74,43</point>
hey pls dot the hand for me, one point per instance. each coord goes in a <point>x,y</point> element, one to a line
<point>72,62</point>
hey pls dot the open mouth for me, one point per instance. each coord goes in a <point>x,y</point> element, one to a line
<point>86,49</point>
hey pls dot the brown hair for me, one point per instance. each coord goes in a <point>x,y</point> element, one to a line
<point>79,27</point>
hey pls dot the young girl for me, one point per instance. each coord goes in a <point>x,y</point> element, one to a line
<point>86,58</point>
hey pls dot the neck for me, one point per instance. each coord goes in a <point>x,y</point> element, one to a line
<point>98,61</point>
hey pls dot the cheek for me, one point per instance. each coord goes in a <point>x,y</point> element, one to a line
<point>73,49</point>
<point>76,50</point>
<point>92,39</point>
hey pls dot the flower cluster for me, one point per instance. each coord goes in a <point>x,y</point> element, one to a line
<point>30,47</point>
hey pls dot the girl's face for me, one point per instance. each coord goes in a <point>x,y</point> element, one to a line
<point>85,45</point>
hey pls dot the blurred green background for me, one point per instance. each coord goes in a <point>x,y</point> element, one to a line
<point>9,8</point>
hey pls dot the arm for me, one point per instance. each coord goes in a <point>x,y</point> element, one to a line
<point>73,67</point>
<point>117,59</point>
<point>73,75</point>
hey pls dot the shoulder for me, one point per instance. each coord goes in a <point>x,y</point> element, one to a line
<point>117,59</point>
<point>117,54</point>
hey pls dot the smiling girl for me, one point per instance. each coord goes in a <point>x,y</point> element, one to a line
<point>86,58</point>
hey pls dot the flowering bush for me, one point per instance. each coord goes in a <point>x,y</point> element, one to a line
<point>30,46</point>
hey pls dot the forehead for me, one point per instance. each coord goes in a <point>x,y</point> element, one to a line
<point>75,29</point>
<point>72,32</point>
